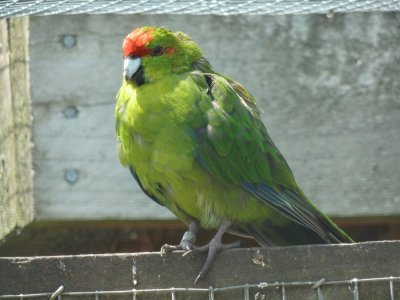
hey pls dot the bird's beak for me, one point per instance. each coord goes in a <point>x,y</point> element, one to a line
<point>131,66</point>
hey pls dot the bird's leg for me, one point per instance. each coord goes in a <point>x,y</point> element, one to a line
<point>213,247</point>
<point>187,242</point>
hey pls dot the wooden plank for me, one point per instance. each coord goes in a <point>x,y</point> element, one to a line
<point>329,90</point>
<point>235,267</point>
<point>7,147</point>
<point>22,114</point>
<point>16,192</point>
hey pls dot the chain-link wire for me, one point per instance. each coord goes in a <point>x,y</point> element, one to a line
<point>353,285</point>
<point>12,8</point>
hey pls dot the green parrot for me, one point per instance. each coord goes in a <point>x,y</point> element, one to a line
<point>194,142</point>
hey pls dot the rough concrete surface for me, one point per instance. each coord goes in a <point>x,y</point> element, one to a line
<point>329,89</point>
<point>231,268</point>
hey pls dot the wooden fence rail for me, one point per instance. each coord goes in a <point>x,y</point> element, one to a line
<point>349,271</point>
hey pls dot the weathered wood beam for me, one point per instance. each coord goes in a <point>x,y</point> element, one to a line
<point>16,191</point>
<point>141,271</point>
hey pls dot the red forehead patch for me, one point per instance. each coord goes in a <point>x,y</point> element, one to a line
<point>136,42</point>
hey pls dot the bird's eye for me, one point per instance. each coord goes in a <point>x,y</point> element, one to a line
<point>157,50</point>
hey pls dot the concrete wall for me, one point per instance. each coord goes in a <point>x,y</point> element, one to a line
<point>16,192</point>
<point>329,89</point>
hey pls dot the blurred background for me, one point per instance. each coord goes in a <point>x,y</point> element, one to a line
<point>328,86</point>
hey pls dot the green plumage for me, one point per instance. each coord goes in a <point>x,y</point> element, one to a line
<point>196,144</point>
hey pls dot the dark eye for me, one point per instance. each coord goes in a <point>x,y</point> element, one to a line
<point>157,50</point>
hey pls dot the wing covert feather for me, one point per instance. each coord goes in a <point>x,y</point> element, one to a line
<point>235,147</point>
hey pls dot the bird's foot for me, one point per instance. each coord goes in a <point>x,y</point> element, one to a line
<point>186,244</point>
<point>212,248</point>
<point>206,248</point>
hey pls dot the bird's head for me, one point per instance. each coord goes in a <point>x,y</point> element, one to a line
<point>153,52</point>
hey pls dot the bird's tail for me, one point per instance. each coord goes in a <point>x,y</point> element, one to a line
<point>268,234</point>
<point>334,233</point>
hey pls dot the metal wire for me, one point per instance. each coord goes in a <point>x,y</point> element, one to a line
<point>12,8</point>
<point>211,291</point>
<point>354,289</point>
<point>391,289</point>
<point>57,293</point>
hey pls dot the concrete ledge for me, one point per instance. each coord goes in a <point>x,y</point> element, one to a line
<point>112,272</point>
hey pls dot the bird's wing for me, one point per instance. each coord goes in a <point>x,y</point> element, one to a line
<point>236,148</point>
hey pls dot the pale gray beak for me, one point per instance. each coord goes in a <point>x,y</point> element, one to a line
<point>131,66</point>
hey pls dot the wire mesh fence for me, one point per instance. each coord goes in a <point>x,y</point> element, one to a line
<point>211,292</point>
<point>10,8</point>
<point>225,7</point>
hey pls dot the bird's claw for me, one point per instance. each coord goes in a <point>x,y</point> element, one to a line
<point>186,244</point>
<point>187,247</point>
<point>169,248</point>
<point>206,248</point>
<point>201,249</point>
<point>213,247</point>
<point>200,276</point>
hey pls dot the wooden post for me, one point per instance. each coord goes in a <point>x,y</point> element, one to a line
<point>16,192</point>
